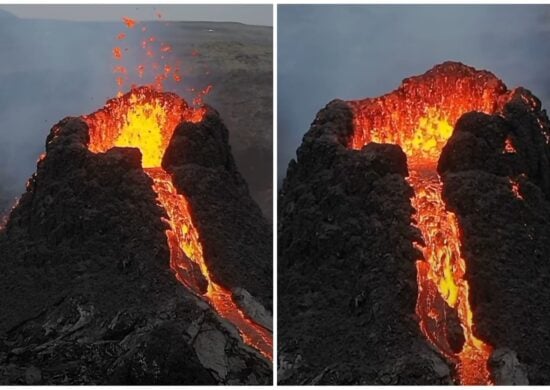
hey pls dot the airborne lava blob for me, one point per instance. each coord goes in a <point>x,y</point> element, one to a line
<point>146,119</point>
<point>419,117</point>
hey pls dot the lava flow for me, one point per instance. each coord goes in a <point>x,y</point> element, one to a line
<point>146,119</point>
<point>441,277</point>
<point>419,117</point>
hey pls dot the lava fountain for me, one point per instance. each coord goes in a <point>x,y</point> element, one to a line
<point>146,119</point>
<point>419,117</point>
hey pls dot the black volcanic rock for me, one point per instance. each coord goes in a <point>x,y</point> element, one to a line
<point>347,275</point>
<point>86,292</point>
<point>506,239</point>
<point>236,237</point>
<point>478,142</point>
<point>167,352</point>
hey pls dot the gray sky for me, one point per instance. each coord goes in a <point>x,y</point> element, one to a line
<point>248,14</point>
<point>350,52</point>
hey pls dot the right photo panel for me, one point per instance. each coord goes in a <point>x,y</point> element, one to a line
<point>413,195</point>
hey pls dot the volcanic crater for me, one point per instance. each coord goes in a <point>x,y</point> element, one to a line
<point>136,255</point>
<point>414,230</point>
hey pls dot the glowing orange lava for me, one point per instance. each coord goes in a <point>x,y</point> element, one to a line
<point>129,22</point>
<point>419,116</point>
<point>441,273</point>
<point>441,277</point>
<point>117,53</point>
<point>146,119</point>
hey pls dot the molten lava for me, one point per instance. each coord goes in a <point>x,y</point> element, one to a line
<point>419,116</point>
<point>146,119</point>
<point>157,65</point>
<point>441,275</point>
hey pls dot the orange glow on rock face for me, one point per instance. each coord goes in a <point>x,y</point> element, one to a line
<point>509,146</point>
<point>4,218</point>
<point>516,189</point>
<point>146,119</point>
<point>419,116</point>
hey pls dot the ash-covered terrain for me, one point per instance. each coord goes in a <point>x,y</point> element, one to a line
<point>348,239</point>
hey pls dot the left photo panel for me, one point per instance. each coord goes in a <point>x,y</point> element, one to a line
<point>136,239</point>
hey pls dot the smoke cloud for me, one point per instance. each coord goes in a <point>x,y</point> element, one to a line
<point>351,52</point>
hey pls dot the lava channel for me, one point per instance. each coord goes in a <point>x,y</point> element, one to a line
<point>418,117</point>
<point>146,119</point>
<point>440,276</point>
